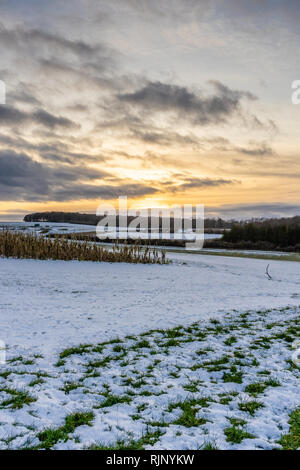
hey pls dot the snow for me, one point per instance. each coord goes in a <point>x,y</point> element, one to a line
<point>48,306</point>
<point>52,227</point>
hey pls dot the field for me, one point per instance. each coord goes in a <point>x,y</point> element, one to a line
<point>192,354</point>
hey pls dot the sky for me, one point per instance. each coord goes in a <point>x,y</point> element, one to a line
<point>167,103</point>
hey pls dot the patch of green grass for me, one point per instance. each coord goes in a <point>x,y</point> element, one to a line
<point>150,438</point>
<point>100,362</point>
<point>201,352</point>
<point>217,364</point>
<point>75,420</point>
<point>259,387</point>
<point>5,374</point>
<point>141,407</point>
<point>112,400</point>
<point>236,434</point>
<point>264,372</point>
<point>250,406</point>
<point>171,342</point>
<point>233,376</point>
<point>35,382</point>
<point>209,446</point>
<point>15,359</point>
<point>192,386</point>
<point>49,437</point>
<point>175,375</point>
<point>289,335</point>
<point>230,341</point>
<point>174,332</point>
<point>225,398</point>
<point>255,388</point>
<point>200,335</point>
<point>142,344</point>
<point>237,421</point>
<point>60,363</point>
<point>263,342</point>
<point>68,387</point>
<point>130,382</point>
<point>239,354</point>
<point>189,409</point>
<point>18,399</point>
<point>291,441</point>
<point>81,349</point>
<point>272,383</point>
<point>292,365</point>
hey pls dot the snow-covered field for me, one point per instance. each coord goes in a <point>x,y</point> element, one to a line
<point>46,306</point>
<point>174,389</point>
<point>53,228</point>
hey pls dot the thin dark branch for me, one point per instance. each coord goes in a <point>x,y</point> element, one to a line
<point>267,272</point>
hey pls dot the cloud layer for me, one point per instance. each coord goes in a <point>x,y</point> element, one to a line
<point>135,98</point>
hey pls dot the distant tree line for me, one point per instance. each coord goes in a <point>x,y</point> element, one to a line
<point>92,219</point>
<point>273,234</point>
<point>63,217</point>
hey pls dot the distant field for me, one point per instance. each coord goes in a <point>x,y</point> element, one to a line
<point>247,254</point>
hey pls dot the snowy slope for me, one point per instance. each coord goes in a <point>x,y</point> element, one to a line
<point>45,306</point>
<point>151,389</point>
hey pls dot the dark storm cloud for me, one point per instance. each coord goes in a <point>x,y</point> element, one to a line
<point>256,152</point>
<point>216,108</point>
<point>45,43</point>
<point>56,53</point>
<point>164,138</point>
<point>10,116</point>
<point>54,151</point>
<point>23,94</point>
<point>76,192</point>
<point>18,172</point>
<point>197,183</point>
<point>50,121</point>
<point>21,179</point>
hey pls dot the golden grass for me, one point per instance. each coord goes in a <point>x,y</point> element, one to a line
<point>32,246</point>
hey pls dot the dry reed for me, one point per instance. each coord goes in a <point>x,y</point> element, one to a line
<point>32,246</point>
